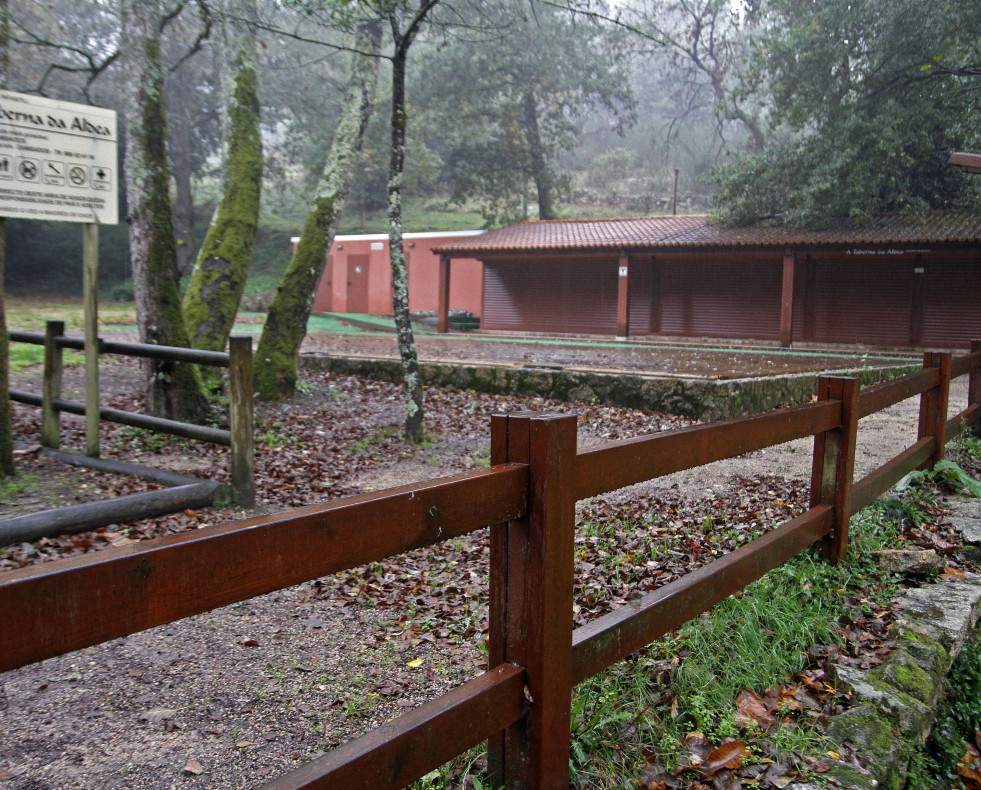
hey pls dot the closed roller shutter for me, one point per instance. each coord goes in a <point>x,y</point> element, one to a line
<point>640,298</point>
<point>862,301</point>
<point>578,297</point>
<point>952,304</point>
<point>736,299</point>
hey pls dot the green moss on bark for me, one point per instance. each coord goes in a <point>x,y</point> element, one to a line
<point>218,280</point>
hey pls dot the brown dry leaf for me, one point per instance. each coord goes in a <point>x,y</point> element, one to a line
<point>751,709</point>
<point>952,573</point>
<point>970,767</point>
<point>193,767</point>
<point>728,755</point>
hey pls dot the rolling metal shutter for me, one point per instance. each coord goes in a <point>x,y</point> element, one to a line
<point>640,298</point>
<point>736,299</point>
<point>577,297</point>
<point>862,301</point>
<point>952,304</point>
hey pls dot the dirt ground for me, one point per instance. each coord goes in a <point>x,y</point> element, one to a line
<point>239,695</point>
<point>708,359</point>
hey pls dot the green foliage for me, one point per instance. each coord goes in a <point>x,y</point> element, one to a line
<point>871,98</point>
<point>945,474</point>
<point>959,717</point>
<point>503,108</point>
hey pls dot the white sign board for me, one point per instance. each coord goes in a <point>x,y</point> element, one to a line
<point>57,160</point>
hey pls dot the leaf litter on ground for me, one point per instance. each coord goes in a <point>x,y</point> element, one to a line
<point>341,436</point>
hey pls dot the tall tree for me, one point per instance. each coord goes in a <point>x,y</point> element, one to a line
<point>404,22</point>
<point>218,280</point>
<point>279,344</point>
<point>6,437</point>
<point>173,389</point>
<point>516,98</point>
<point>873,96</point>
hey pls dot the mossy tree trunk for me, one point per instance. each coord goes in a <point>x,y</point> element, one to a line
<point>172,390</point>
<point>6,434</point>
<point>285,327</point>
<point>402,40</point>
<point>218,279</point>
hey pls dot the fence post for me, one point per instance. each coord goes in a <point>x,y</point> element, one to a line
<point>51,384</point>
<point>933,405</point>
<point>974,383</point>
<point>834,463</point>
<point>241,419</point>
<point>531,600</point>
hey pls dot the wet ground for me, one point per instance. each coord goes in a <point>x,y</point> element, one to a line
<point>371,336</point>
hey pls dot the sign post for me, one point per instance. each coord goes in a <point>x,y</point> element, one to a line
<point>58,161</point>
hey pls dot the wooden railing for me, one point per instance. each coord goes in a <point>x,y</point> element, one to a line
<point>521,705</point>
<point>238,359</point>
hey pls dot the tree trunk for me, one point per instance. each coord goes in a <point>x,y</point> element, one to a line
<point>218,280</point>
<point>400,275</point>
<point>172,390</point>
<point>6,434</point>
<point>279,344</point>
<point>180,161</point>
<point>536,155</point>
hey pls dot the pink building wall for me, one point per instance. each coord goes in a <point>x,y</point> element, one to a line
<point>358,277</point>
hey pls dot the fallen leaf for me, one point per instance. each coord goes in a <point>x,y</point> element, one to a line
<point>194,768</point>
<point>751,710</point>
<point>416,662</point>
<point>728,755</point>
<point>952,573</point>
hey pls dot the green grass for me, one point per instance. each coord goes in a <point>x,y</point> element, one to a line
<point>623,718</point>
<point>26,355</point>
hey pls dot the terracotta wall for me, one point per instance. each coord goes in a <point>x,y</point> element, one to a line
<point>358,277</point>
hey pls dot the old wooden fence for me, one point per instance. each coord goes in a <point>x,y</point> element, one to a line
<point>521,705</point>
<point>238,360</point>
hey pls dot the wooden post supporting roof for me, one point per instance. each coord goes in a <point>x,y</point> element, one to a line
<point>443,304</point>
<point>623,296</point>
<point>787,299</point>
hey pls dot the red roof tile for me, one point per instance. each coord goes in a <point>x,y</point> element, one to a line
<point>693,231</point>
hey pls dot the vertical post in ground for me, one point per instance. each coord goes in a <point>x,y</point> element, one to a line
<point>974,381</point>
<point>90,291</point>
<point>834,463</point>
<point>443,296</point>
<point>531,600</point>
<point>241,419</point>
<point>933,405</point>
<point>51,385</point>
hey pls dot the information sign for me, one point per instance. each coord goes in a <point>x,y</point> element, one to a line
<point>57,160</point>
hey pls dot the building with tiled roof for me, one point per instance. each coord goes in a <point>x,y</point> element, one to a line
<point>899,281</point>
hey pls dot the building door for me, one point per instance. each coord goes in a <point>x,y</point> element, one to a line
<point>357,284</point>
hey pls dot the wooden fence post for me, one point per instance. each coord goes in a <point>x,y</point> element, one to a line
<point>241,419</point>
<point>974,383</point>
<point>51,385</point>
<point>834,463</point>
<point>933,405</point>
<point>531,600</point>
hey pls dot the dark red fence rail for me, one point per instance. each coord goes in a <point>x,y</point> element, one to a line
<point>521,706</point>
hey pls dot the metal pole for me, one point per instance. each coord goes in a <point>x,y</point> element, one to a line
<point>90,281</point>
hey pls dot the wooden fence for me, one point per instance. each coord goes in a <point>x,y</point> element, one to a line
<point>238,359</point>
<point>521,705</point>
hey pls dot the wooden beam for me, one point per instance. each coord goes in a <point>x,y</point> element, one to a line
<point>787,300</point>
<point>623,296</point>
<point>443,306</point>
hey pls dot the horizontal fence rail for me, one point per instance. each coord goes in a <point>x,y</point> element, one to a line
<point>614,465</point>
<point>238,360</point>
<point>521,706</point>
<point>159,424</point>
<point>65,605</point>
